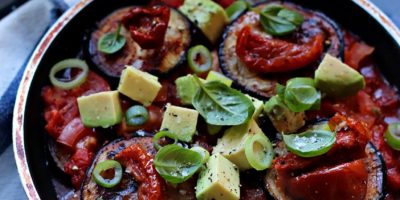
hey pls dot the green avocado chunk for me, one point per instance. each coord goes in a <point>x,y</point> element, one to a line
<point>283,119</point>
<point>101,109</point>
<point>209,16</point>
<point>337,79</point>
<point>219,181</point>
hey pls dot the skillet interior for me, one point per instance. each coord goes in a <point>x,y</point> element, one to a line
<point>69,42</point>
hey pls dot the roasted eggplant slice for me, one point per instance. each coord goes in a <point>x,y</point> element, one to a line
<point>128,187</point>
<point>160,60</point>
<point>374,184</point>
<point>262,85</point>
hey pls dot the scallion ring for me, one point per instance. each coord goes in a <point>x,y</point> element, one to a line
<point>259,151</point>
<point>204,153</point>
<point>236,8</point>
<point>392,136</point>
<point>136,115</point>
<point>65,64</point>
<point>199,59</point>
<point>105,167</point>
<point>162,134</point>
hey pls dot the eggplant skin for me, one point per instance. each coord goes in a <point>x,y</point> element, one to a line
<point>128,187</point>
<point>158,61</point>
<point>263,85</point>
<point>376,176</point>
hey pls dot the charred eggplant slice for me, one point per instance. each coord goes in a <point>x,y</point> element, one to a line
<point>128,187</point>
<point>374,185</point>
<point>160,60</point>
<point>263,85</point>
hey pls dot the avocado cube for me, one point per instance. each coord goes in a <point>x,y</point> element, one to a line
<point>186,88</point>
<point>216,76</point>
<point>138,85</point>
<point>219,181</point>
<point>180,121</point>
<point>258,106</point>
<point>101,109</point>
<point>335,78</point>
<point>284,120</point>
<point>210,17</point>
<point>231,145</point>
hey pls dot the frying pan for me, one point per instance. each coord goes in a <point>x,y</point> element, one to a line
<point>67,38</point>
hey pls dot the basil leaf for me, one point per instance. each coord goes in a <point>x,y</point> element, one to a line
<point>222,105</point>
<point>279,21</point>
<point>110,43</point>
<point>310,143</point>
<point>291,16</point>
<point>276,26</point>
<point>177,164</point>
<point>300,94</point>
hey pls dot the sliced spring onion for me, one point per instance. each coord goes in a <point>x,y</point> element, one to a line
<point>112,42</point>
<point>65,64</point>
<point>136,115</point>
<point>162,134</point>
<point>235,9</point>
<point>204,153</point>
<point>199,59</point>
<point>259,151</point>
<point>310,143</point>
<point>177,164</point>
<point>103,167</point>
<point>301,95</point>
<point>392,136</point>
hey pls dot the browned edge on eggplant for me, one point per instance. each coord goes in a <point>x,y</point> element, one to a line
<point>376,177</point>
<point>263,86</point>
<point>178,39</point>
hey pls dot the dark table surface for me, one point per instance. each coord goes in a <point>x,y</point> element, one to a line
<point>10,187</point>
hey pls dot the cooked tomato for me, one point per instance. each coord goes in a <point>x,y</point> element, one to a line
<point>77,165</point>
<point>136,160</point>
<point>172,3</point>
<point>357,52</point>
<point>328,183</point>
<point>148,26</point>
<point>73,132</point>
<point>224,3</point>
<point>274,55</point>
<point>61,106</point>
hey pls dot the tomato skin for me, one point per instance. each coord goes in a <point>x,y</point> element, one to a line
<point>136,160</point>
<point>171,3</point>
<point>224,3</point>
<point>77,165</point>
<point>274,55</point>
<point>73,132</point>
<point>148,26</point>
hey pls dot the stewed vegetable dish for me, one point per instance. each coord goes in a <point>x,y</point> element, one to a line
<point>223,100</point>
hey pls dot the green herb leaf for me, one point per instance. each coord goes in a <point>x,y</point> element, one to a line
<point>301,95</point>
<point>222,105</point>
<point>110,43</point>
<point>279,21</point>
<point>177,164</point>
<point>310,143</point>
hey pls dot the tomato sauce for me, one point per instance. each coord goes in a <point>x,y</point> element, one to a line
<point>375,106</point>
<point>64,124</point>
<point>136,160</point>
